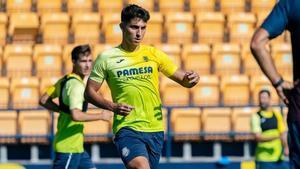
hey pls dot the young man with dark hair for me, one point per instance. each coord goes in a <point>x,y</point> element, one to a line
<point>270,134</point>
<point>131,71</point>
<point>284,16</point>
<point>69,138</point>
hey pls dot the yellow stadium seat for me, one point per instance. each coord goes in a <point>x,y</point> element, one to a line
<point>250,66</point>
<point>48,60</point>
<point>8,126</point>
<point>170,96</point>
<point>96,131</point>
<point>23,27</point>
<point>55,28</point>
<point>4,92</point>
<point>197,57</point>
<point>18,60</point>
<point>262,5</point>
<point>282,55</point>
<point>16,6</point>
<point>24,92</point>
<point>99,48</point>
<point>165,118</point>
<point>207,91</point>
<point>46,82</point>
<point>235,89</point>
<point>186,123</point>
<point>241,120</point>
<point>210,27</point>
<point>226,58</point>
<point>179,27</point>
<point>3,26</point>
<point>202,5</point>
<point>111,28</point>
<point>147,4</point>
<point>216,123</point>
<point>67,58</point>
<point>166,6</point>
<point>154,29</point>
<point>261,16</point>
<point>86,27</point>
<point>79,6</point>
<point>173,51</point>
<point>241,26</point>
<point>35,124</point>
<point>232,6</point>
<point>262,82</point>
<point>105,6</point>
<point>1,61</point>
<point>48,6</point>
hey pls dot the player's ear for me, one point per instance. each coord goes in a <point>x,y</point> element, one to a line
<point>122,25</point>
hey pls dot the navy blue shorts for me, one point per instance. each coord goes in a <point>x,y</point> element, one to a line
<point>131,144</point>
<point>272,165</point>
<point>73,161</point>
<point>294,144</point>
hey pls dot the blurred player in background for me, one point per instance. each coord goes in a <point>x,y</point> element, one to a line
<point>270,134</point>
<point>285,15</point>
<point>69,138</point>
<point>131,71</point>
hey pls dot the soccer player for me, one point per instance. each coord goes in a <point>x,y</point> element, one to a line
<point>131,71</point>
<point>285,15</point>
<point>68,142</point>
<point>270,133</point>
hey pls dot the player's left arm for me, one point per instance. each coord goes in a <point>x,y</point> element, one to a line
<point>185,78</point>
<point>283,132</point>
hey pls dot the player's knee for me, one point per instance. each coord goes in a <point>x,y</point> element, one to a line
<point>139,163</point>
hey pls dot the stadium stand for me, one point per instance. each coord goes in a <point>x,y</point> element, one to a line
<point>166,6</point>
<point>226,58</point>
<point>179,27</point>
<point>232,6</point>
<point>282,56</point>
<point>3,30</point>
<point>207,92</point>
<point>4,92</point>
<point>8,126</point>
<point>17,59</point>
<point>172,50</point>
<point>28,122</point>
<point>180,117</point>
<point>110,27</point>
<point>112,6</point>
<point>202,5</point>
<point>24,92</point>
<point>79,6</point>
<point>49,6</point>
<point>210,27</point>
<point>147,4</point>
<point>55,28</point>
<point>262,5</point>
<point>154,31</point>
<point>48,60</point>
<point>197,57</point>
<point>86,28</point>
<point>237,84</point>
<point>17,6</point>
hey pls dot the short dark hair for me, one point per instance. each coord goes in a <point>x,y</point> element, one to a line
<point>134,11</point>
<point>80,49</point>
<point>265,91</point>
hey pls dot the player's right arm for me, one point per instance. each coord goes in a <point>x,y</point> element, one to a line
<point>98,100</point>
<point>47,98</point>
<point>257,131</point>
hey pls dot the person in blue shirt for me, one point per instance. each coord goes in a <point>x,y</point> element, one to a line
<point>284,16</point>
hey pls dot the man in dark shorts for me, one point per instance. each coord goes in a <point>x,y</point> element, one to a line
<point>284,16</point>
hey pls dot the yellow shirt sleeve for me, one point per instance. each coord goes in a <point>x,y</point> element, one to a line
<point>53,91</point>
<point>166,65</point>
<point>98,73</point>
<point>280,122</point>
<point>255,124</point>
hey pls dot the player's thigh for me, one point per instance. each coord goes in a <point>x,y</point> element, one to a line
<point>66,161</point>
<point>130,145</point>
<point>86,162</point>
<point>155,144</point>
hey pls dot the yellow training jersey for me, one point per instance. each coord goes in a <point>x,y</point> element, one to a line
<point>133,79</point>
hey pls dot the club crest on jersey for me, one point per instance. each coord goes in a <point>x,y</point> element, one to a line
<point>146,59</point>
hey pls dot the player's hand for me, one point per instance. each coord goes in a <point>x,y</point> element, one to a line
<point>122,109</point>
<point>191,77</point>
<point>283,91</point>
<point>286,151</point>
<point>106,115</point>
